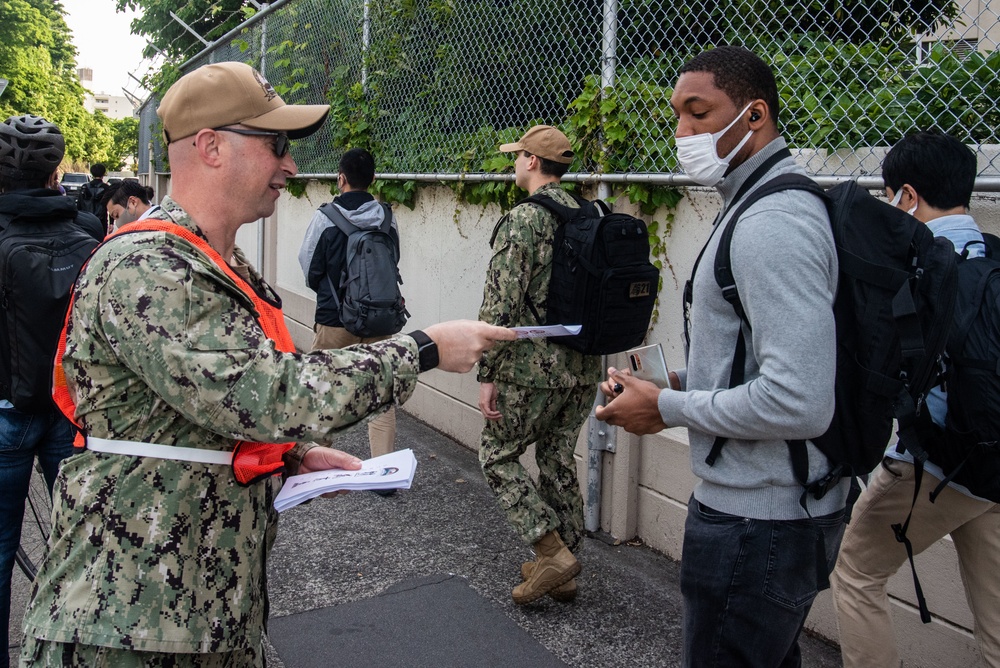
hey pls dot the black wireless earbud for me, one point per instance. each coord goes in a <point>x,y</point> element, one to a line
<point>754,116</point>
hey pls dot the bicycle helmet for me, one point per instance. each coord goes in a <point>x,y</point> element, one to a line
<point>30,145</point>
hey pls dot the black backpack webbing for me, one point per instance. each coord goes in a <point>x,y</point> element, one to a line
<point>899,530</point>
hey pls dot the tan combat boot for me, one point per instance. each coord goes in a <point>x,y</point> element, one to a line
<point>563,593</point>
<point>555,565</point>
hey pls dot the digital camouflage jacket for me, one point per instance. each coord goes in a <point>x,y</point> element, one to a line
<point>522,265</point>
<point>164,555</point>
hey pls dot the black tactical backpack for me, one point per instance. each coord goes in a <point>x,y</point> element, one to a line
<point>39,263</point>
<point>969,451</point>
<point>893,310</point>
<point>602,278</point>
<point>368,296</point>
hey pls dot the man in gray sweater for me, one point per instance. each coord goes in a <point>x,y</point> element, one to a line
<point>754,557</point>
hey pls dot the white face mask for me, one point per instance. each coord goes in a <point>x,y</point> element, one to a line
<point>126,215</point>
<point>699,157</point>
<point>895,201</point>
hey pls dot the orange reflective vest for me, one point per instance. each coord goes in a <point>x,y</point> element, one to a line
<point>251,461</point>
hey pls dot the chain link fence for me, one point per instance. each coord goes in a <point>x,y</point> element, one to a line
<point>432,87</point>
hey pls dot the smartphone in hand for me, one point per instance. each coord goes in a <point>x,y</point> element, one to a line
<point>648,363</point>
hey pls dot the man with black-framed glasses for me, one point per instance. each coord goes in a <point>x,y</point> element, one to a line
<point>179,369</point>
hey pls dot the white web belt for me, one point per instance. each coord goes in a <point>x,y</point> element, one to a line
<point>137,449</point>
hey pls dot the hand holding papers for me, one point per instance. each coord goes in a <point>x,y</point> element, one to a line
<point>547,330</point>
<point>392,471</point>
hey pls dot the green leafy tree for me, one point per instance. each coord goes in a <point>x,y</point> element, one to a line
<point>38,58</point>
<point>125,141</point>
<point>209,18</point>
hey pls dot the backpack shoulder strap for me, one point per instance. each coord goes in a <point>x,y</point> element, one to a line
<point>755,177</point>
<point>386,218</point>
<point>727,282</point>
<point>992,242</point>
<point>960,330</point>
<point>562,212</point>
<point>496,228</point>
<point>338,219</point>
<point>386,229</point>
<point>723,257</point>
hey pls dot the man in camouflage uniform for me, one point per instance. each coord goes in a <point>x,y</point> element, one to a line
<point>534,390</point>
<point>162,561</point>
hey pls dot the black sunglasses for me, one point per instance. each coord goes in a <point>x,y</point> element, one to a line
<point>280,141</point>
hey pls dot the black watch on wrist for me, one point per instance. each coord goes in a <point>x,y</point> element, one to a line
<point>427,350</point>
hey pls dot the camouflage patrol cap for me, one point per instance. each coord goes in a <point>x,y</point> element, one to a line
<point>544,141</point>
<point>233,93</point>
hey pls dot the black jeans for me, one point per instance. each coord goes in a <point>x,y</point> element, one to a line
<point>748,585</point>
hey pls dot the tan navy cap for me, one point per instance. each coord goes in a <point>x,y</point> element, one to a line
<point>544,141</point>
<point>233,93</point>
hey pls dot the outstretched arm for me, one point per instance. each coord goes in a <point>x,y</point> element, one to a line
<point>461,343</point>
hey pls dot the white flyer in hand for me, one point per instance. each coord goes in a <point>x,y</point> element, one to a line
<point>392,471</point>
<point>547,330</point>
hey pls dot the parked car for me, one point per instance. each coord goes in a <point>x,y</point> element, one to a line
<point>74,182</point>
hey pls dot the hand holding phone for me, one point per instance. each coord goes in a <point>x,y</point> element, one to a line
<point>648,363</point>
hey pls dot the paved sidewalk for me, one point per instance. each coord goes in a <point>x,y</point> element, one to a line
<point>424,578</point>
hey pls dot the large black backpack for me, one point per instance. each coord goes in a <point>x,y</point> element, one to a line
<point>39,263</point>
<point>368,297</point>
<point>602,278</point>
<point>895,297</point>
<point>968,452</point>
<point>968,448</point>
<point>89,199</point>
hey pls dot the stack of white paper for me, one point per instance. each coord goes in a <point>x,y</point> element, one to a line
<point>392,471</point>
<point>541,331</point>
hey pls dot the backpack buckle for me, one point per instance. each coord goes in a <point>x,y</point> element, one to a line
<point>819,488</point>
<point>730,293</point>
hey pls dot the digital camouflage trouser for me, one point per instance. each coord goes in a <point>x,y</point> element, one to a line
<point>551,419</point>
<point>37,653</point>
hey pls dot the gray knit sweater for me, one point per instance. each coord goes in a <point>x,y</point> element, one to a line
<point>785,265</point>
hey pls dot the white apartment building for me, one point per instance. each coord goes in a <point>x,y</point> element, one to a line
<point>112,106</point>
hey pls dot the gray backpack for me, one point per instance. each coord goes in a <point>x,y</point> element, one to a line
<point>368,297</point>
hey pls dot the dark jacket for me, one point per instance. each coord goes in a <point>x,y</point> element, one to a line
<point>43,204</point>
<point>323,255</point>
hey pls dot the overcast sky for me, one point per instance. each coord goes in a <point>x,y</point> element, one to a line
<point>105,45</point>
